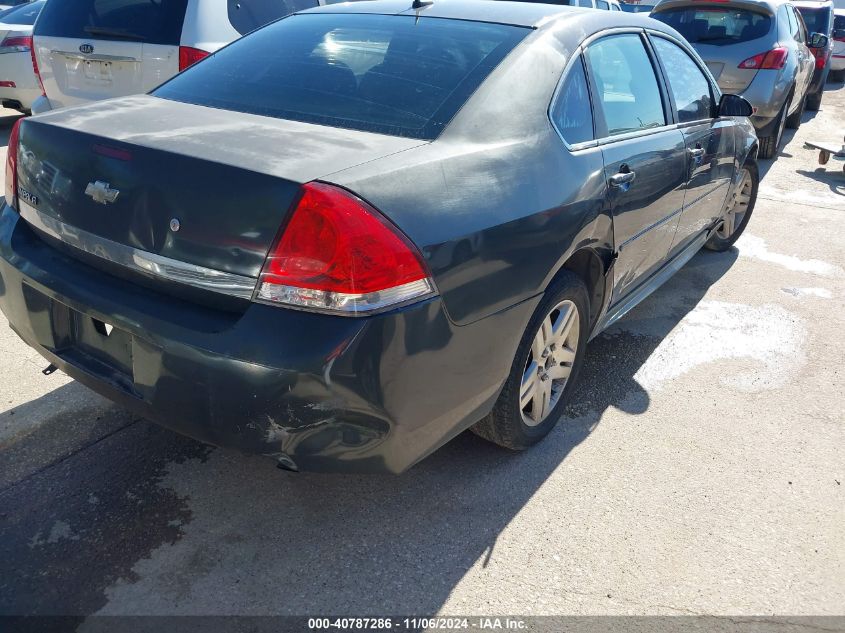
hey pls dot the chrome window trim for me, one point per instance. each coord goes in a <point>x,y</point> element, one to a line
<point>140,261</point>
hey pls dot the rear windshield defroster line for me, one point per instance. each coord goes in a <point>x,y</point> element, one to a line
<point>387,74</point>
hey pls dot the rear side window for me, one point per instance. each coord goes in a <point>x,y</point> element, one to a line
<point>248,15</point>
<point>571,112</point>
<point>716,26</point>
<point>689,85</point>
<point>602,4</point>
<point>24,14</point>
<point>150,21</point>
<point>625,83</point>
<point>817,20</point>
<point>390,74</point>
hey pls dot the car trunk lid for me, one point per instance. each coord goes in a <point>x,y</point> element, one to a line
<point>186,183</point>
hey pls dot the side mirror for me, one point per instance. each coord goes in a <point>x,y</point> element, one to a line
<point>734,105</point>
<point>817,40</point>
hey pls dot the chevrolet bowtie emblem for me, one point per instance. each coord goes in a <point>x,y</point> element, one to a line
<point>101,192</point>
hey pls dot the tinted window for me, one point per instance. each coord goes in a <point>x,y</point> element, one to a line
<point>24,14</point>
<point>816,20</point>
<point>793,23</point>
<point>585,3</point>
<point>626,87</point>
<point>248,15</point>
<point>690,87</point>
<point>394,75</point>
<point>715,25</point>
<point>839,22</point>
<point>155,22</point>
<point>571,113</point>
<point>602,4</point>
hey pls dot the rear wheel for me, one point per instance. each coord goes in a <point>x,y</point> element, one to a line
<point>738,211</point>
<point>543,373</point>
<point>769,145</point>
<point>793,121</point>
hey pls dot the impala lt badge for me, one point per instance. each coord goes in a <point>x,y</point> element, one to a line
<point>101,192</point>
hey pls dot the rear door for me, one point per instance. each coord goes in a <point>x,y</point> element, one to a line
<point>644,156</point>
<point>95,49</point>
<point>709,140</point>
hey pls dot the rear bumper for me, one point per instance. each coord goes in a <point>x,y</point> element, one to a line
<point>837,62</point>
<point>767,93</point>
<point>317,392</point>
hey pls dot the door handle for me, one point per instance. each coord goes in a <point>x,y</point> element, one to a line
<point>623,179</point>
<point>697,154</point>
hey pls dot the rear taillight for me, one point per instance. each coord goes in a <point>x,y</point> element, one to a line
<point>35,67</point>
<point>770,60</point>
<point>12,165</point>
<point>821,56</point>
<point>16,44</point>
<point>338,254</point>
<point>189,56</point>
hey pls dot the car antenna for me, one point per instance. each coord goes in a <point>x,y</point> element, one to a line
<point>419,4</point>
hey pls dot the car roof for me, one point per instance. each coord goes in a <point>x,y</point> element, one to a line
<point>528,14</point>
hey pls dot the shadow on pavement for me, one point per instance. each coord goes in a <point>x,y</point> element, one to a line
<point>181,527</point>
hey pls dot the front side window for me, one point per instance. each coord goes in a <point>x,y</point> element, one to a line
<point>390,74</point>
<point>625,84</point>
<point>716,26</point>
<point>571,112</point>
<point>690,87</point>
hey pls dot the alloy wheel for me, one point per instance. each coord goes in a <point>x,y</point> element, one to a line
<point>737,208</point>
<point>549,362</point>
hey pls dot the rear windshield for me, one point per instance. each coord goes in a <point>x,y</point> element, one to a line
<point>24,14</point>
<point>396,75</point>
<point>150,21</point>
<point>817,20</point>
<point>717,26</point>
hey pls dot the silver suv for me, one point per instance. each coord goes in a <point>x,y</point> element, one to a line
<point>755,48</point>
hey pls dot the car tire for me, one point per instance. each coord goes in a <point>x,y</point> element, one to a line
<point>742,201</point>
<point>814,101</point>
<point>769,145</point>
<point>793,121</point>
<point>509,425</point>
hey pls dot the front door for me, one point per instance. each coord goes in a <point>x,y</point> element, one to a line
<point>709,140</point>
<point>644,160</point>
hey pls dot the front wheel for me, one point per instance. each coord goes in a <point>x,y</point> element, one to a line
<point>738,211</point>
<point>543,373</point>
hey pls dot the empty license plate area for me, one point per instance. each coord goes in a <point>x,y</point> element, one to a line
<point>98,70</point>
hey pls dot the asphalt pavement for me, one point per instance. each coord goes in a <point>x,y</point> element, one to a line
<point>699,471</point>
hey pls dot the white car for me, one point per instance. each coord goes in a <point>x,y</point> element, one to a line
<point>87,50</point>
<point>837,60</point>
<point>18,84</point>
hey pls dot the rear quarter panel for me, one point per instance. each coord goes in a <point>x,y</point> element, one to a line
<point>497,203</point>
